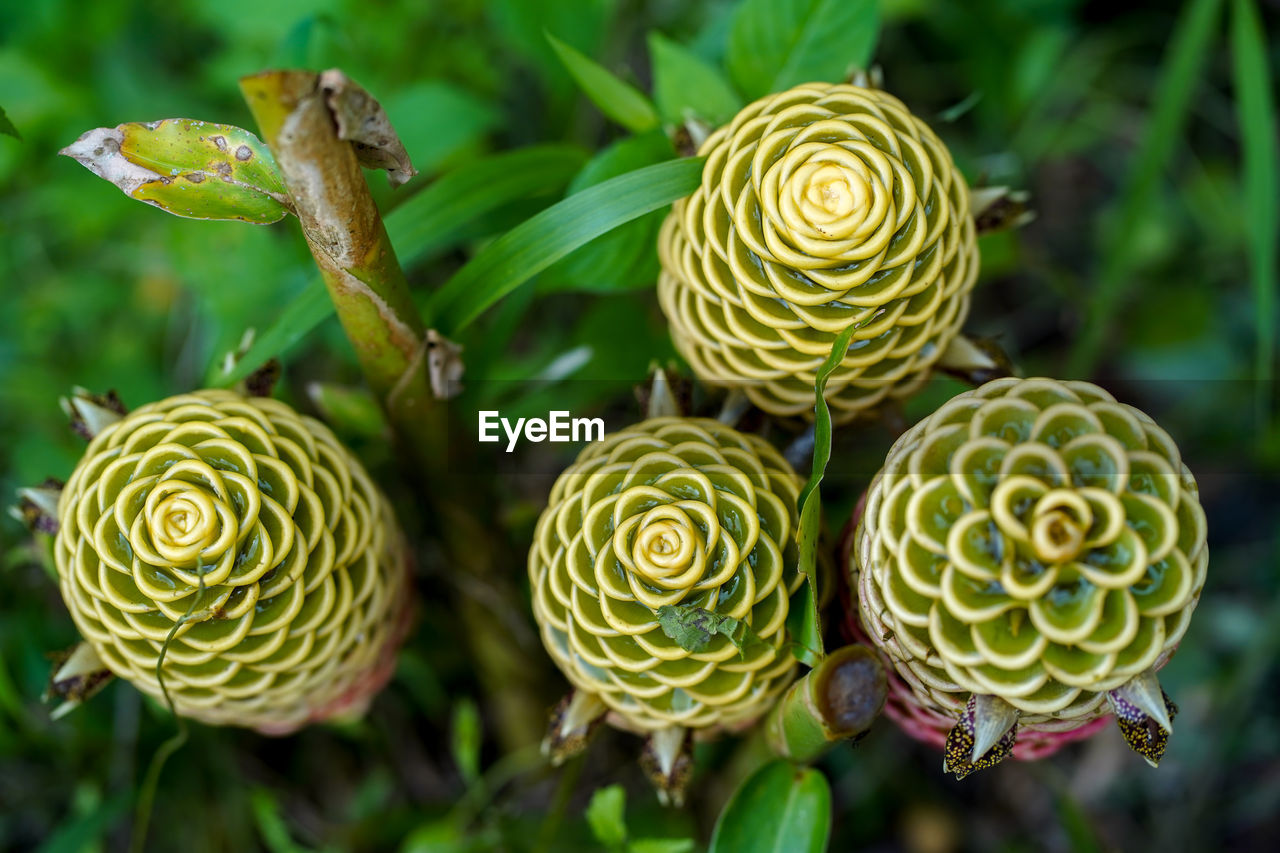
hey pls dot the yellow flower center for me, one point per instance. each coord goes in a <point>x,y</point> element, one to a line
<point>1059,525</point>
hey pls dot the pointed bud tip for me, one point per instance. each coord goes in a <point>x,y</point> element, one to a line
<point>667,760</point>
<point>77,675</point>
<point>1144,714</point>
<point>91,413</point>
<point>960,748</point>
<point>573,721</point>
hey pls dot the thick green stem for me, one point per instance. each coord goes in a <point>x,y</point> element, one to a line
<point>836,701</point>
<point>347,238</point>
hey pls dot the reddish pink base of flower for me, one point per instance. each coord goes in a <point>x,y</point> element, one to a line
<point>931,727</point>
<point>902,706</point>
<point>352,703</point>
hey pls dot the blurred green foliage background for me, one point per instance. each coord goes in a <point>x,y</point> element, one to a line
<point>1150,267</point>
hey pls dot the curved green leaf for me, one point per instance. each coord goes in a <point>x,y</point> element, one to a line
<point>626,257</point>
<point>6,126</point>
<point>781,808</point>
<point>1180,77</point>
<point>803,621</point>
<point>777,44</point>
<point>423,225</point>
<point>606,816</point>
<point>429,221</point>
<point>620,101</point>
<point>541,240</point>
<point>684,81</point>
<point>692,627</point>
<point>1260,177</point>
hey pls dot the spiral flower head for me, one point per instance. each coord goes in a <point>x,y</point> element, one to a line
<point>1036,542</point>
<point>252,530</point>
<point>821,208</point>
<point>677,512</point>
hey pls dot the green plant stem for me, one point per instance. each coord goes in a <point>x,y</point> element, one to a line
<point>836,701</point>
<point>349,243</point>
<point>347,238</point>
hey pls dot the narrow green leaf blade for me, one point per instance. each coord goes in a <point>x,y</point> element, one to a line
<point>6,126</point>
<point>423,225</point>
<point>662,845</point>
<point>620,101</point>
<point>685,82</point>
<point>777,44</point>
<point>429,220</point>
<point>1179,80</point>
<point>822,413</point>
<point>465,740</point>
<point>803,628</point>
<point>543,239</point>
<point>189,168</point>
<point>780,808</point>
<point>804,621</point>
<point>1260,176</point>
<point>626,257</point>
<point>272,828</point>
<point>304,312</point>
<point>606,816</point>
<point>351,412</point>
<point>87,831</point>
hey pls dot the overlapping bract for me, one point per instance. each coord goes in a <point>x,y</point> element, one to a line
<point>823,207</point>
<point>253,527</point>
<point>673,511</point>
<point>1031,540</point>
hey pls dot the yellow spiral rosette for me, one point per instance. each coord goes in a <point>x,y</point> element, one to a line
<point>821,208</point>
<point>673,520</point>
<point>242,539</point>
<point>1029,555</point>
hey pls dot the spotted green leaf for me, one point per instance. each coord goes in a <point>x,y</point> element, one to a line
<point>189,168</point>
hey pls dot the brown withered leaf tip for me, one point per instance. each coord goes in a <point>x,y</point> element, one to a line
<point>34,517</point>
<point>560,744</point>
<point>76,688</point>
<point>957,753</point>
<point>671,782</point>
<point>999,208</point>
<point>999,367</point>
<point>362,121</point>
<point>110,401</point>
<point>679,387</point>
<point>683,142</point>
<point>263,381</point>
